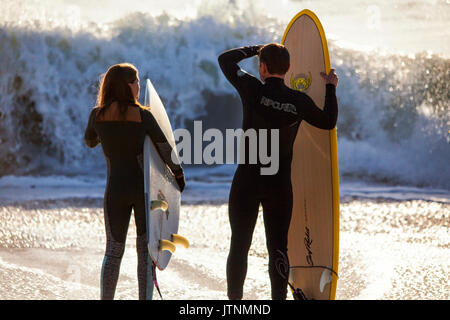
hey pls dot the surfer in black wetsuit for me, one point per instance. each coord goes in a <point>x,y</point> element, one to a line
<point>120,124</point>
<point>268,105</point>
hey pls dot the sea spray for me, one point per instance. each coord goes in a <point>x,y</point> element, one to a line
<point>393,124</point>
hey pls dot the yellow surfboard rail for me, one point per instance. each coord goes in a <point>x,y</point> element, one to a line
<point>333,146</point>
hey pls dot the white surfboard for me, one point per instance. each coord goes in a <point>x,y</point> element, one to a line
<point>162,194</point>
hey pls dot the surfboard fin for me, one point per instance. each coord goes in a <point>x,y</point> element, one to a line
<point>159,204</point>
<point>180,240</point>
<point>166,245</point>
<point>325,279</point>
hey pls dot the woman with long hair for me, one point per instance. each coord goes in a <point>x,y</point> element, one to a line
<point>120,123</point>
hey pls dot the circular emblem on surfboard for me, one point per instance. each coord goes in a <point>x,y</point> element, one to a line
<point>301,82</point>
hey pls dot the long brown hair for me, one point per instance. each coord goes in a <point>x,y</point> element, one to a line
<point>114,88</point>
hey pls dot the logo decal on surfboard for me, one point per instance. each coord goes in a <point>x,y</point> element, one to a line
<point>308,241</point>
<point>301,82</point>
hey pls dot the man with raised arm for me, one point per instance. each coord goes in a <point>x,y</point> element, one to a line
<point>269,104</point>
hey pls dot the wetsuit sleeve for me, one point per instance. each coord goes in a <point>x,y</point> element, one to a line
<point>90,135</point>
<point>162,145</point>
<point>323,119</point>
<point>240,79</point>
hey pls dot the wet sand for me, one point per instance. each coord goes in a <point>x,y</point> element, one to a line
<point>53,249</point>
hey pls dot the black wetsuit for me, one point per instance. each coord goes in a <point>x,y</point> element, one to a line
<point>122,143</point>
<point>271,105</point>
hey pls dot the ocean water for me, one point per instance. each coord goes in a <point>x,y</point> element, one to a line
<point>392,62</point>
<point>392,59</point>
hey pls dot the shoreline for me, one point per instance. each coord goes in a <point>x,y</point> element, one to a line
<point>53,249</point>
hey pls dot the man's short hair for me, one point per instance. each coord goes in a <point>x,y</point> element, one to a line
<point>276,57</point>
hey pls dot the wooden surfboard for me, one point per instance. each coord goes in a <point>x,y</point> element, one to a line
<point>313,240</point>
